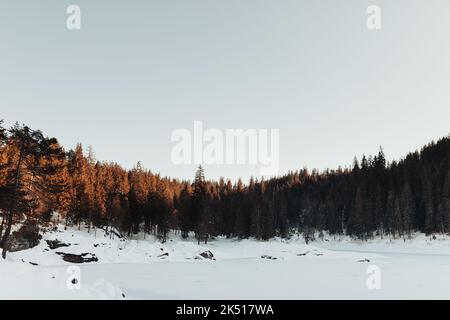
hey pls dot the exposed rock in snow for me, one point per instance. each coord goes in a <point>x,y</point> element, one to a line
<point>207,255</point>
<point>78,258</point>
<point>313,252</point>
<point>25,238</point>
<point>32,263</point>
<point>55,244</point>
<point>268,257</point>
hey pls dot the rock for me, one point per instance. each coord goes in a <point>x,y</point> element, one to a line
<point>32,263</point>
<point>163,255</point>
<point>25,238</point>
<point>207,255</point>
<point>364,260</point>
<point>314,252</point>
<point>55,244</point>
<point>78,258</point>
<point>268,257</point>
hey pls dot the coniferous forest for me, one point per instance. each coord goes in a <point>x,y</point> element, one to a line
<point>370,198</point>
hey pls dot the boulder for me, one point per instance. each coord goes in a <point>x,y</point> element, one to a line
<point>268,257</point>
<point>314,252</point>
<point>55,244</point>
<point>78,258</point>
<point>207,255</point>
<point>25,238</point>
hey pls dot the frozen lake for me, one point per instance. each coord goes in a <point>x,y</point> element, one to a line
<point>242,269</point>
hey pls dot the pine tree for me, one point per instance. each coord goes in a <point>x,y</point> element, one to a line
<point>379,208</point>
<point>138,196</point>
<point>82,204</point>
<point>389,214</point>
<point>372,195</point>
<point>26,170</point>
<point>441,214</point>
<point>55,182</point>
<point>198,204</point>
<point>408,208</point>
<point>429,206</point>
<point>185,210</point>
<point>446,201</point>
<point>100,193</point>
<point>357,227</point>
<point>4,163</point>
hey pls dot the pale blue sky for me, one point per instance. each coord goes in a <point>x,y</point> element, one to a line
<point>140,69</point>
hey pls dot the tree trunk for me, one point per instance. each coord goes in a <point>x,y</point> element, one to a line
<point>13,204</point>
<point>3,223</point>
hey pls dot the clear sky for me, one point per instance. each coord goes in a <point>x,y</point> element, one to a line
<point>137,70</point>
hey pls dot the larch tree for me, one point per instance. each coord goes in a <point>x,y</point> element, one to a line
<point>25,173</point>
<point>55,181</point>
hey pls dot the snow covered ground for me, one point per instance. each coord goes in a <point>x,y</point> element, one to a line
<point>243,269</point>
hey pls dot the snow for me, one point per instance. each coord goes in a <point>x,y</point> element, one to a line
<point>24,281</point>
<point>331,268</point>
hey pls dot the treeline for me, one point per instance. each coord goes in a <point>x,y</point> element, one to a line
<point>38,177</point>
